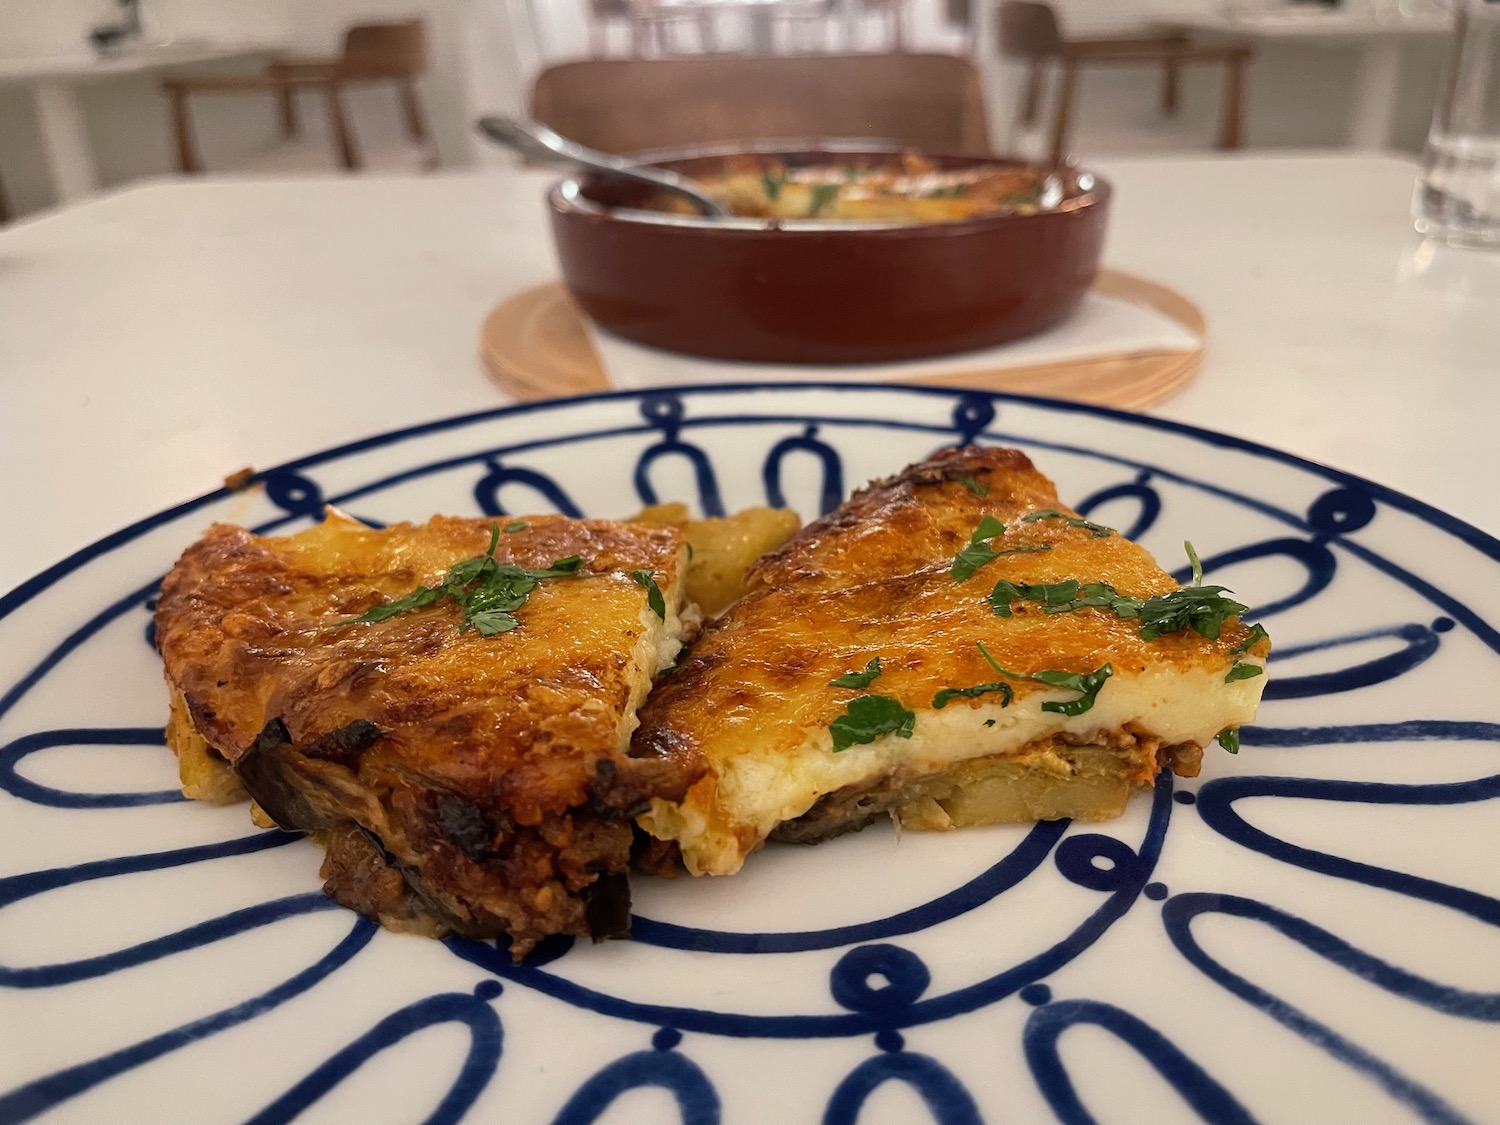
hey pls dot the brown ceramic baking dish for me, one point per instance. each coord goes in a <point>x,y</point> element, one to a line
<point>823,291</point>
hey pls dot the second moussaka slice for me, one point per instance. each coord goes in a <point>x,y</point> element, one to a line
<point>952,646</point>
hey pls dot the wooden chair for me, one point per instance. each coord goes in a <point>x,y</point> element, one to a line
<point>1029,32</point>
<point>386,52</point>
<point>931,102</point>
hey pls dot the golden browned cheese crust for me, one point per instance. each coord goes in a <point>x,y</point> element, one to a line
<point>460,782</point>
<point>873,579</point>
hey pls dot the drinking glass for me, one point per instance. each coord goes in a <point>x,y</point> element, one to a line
<point>1457,198</point>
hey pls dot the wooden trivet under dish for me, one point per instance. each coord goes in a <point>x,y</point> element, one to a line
<point>536,345</point>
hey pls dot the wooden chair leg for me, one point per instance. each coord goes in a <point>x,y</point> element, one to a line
<point>1031,106</point>
<point>1062,122</point>
<point>188,162</point>
<point>898,29</point>
<point>411,110</point>
<point>4,205</point>
<point>1233,135</point>
<point>1171,87</point>
<point>338,121</point>
<point>287,100</point>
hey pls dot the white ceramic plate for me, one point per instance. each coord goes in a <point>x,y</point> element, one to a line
<point>1309,932</point>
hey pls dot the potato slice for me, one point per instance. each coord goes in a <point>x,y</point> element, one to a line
<point>723,547</point>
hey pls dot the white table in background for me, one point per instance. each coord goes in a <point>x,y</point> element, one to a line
<point>54,80</point>
<point>158,338</point>
<point>1378,38</point>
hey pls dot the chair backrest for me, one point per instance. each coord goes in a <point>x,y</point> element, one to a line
<point>930,102</point>
<point>609,9</point>
<point>1029,30</point>
<point>385,50</point>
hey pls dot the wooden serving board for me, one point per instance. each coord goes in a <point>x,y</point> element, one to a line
<point>536,345</point>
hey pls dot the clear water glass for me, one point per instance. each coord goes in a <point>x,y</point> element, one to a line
<point>1457,196</point>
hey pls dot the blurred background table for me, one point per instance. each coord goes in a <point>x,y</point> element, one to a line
<point>53,82</point>
<point>1379,39</point>
<point>157,339</point>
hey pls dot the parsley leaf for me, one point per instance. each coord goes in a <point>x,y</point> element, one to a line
<point>772,182</point>
<point>515,526</point>
<point>421,596</point>
<point>1087,684</point>
<point>974,486</point>
<point>867,717</point>
<point>858,680</point>
<point>654,598</point>
<point>978,552</point>
<point>947,695</point>
<point>1204,609</point>
<point>1229,738</point>
<point>822,196</point>
<point>488,591</point>
<point>1257,633</point>
<point>1097,530</point>
<point>490,622</point>
<point>1243,671</point>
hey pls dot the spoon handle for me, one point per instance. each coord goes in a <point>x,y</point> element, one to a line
<point>537,142</point>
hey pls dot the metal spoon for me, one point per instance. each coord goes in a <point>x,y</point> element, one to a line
<point>537,142</point>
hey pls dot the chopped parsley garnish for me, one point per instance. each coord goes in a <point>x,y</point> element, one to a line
<point>1097,530</point>
<point>822,196</point>
<point>1204,609</point>
<point>1061,597</point>
<point>654,599</point>
<point>978,552</point>
<point>1243,671</point>
<point>1229,738</point>
<point>947,695</point>
<point>858,680</point>
<point>1087,684</point>
<point>489,591</point>
<point>515,526</point>
<point>772,182</point>
<point>867,717</point>
<point>1257,633</point>
<point>989,722</point>
<point>974,486</point>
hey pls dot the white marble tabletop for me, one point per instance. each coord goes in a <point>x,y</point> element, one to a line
<point>159,338</point>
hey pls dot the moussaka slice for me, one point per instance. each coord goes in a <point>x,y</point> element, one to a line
<point>447,707</point>
<point>950,647</point>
